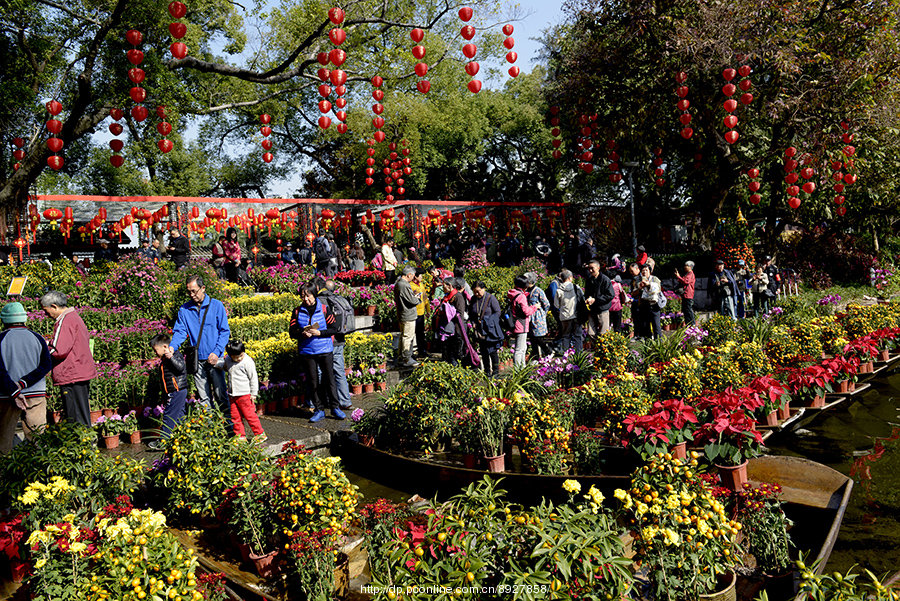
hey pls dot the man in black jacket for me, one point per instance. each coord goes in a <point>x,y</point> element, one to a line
<point>179,249</point>
<point>598,295</point>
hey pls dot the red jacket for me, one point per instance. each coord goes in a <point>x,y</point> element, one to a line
<point>71,351</point>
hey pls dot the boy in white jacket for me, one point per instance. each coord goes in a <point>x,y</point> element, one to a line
<point>243,386</point>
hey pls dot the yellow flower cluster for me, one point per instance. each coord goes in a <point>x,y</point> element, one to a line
<point>534,421</point>
<point>259,327</point>
<point>674,512</point>
<point>680,379</point>
<point>254,305</point>
<point>269,348</point>
<point>720,371</point>
<point>34,492</point>
<point>611,353</point>
<point>831,334</point>
<point>809,336</point>
<point>594,497</point>
<point>752,359</point>
<point>781,347</point>
<point>312,493</point>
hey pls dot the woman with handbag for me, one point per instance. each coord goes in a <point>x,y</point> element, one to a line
<point>484,313</point>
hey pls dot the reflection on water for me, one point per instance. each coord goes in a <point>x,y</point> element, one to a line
<point>861,439</point>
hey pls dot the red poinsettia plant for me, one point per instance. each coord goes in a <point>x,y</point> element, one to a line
<point>865,348</point>
<point>811,381</point>
<point>668,423</point>
<point>12,537</point>
<point>842,369</point>
<point>727,429</point>
<point>770,393</point>
<point>886,338</point>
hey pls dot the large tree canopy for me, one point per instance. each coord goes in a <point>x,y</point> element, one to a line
<point>241,63</point>
<point>814,65</point>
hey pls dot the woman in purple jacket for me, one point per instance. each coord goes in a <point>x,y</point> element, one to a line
<point>316,352</point>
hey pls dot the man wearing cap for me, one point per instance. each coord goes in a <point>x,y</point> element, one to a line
<point>774,278</point>
<point>288,256</point>
<point>105,253</point>
<point>24,363</point>
<point>725,289</point>
<point>73,364</point>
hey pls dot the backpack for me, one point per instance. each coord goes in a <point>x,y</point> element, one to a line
<point>378,261</point>
<point>582,311</point>
<point>342,311</point>
<point>508,319</point>
<point>320,250</point>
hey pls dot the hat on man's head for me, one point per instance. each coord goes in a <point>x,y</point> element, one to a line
<point>13,313</point>
<point>288,245</point>
<point>720,262</point>
<point>102,241</point>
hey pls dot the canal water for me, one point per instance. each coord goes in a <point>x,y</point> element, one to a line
<point>860,438</point>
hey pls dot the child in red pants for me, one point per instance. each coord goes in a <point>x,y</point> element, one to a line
<point>243,386</point>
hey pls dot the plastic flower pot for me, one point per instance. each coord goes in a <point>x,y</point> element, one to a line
<point>265,564</point>
<point>496,464</point>
<point>356,389</point>
<point>733,477</point>
<point>135,437</point>
<point>95,415</point>
<point>111,442</point>
<point>370,387</point>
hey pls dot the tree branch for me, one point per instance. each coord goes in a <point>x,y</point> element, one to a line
<point>225,107</point>
<point>69,12</point>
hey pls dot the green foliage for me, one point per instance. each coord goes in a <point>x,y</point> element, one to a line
<point>662,349</point>
<point>70,452</point>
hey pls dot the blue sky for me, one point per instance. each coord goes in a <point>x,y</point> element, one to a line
<point>544,13</point>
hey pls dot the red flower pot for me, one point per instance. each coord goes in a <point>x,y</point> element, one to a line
<point>784,412</point>
<point>135,437</point>
<point>469,461</point>
<point>844,386</point>
<point>679,451</point>
<point>95,415</point>
<point>366,440</point>
<point>381,386</point>
<point>356,389</point>
<point>271,407</point>
<point>818,401</point>
<point>369,387</point>
<point>772,418</point>
<point>111,442</point>
<point>884,356</point>
<point>370,310</point>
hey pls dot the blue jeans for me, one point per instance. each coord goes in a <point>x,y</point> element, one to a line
<point>174,411</point>
<point>210,383</point>
<point>342,391</point>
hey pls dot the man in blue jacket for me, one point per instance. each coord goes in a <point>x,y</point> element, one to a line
<point>24,363</point>
<point>210,313</point>
<point>724,289</point>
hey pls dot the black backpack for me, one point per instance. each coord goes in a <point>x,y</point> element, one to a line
<point>342,311</point>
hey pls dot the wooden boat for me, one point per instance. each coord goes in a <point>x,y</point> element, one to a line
<point>446,478</point>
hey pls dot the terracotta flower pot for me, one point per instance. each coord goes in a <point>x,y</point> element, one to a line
<point>733,477</point>
<point>107,412</point>
<point>469,461</point>
<point>111,442</point>
<point>382,366</point>
<point>271,407</point>
<point>370,387</point>
<point>852,386</point>
<point>679,451</point>
<point>95,415</point>
<point>818,401</point>
<point>56,417</point>
<point>381,386</point>
<point>366,440</point>
<point>135,437</point>
<point>261,409</point>
<point>356,389</point>
<point>347,371</point>
<point>286,403</point>
<point>870,367</point>
<point>370,310</point>
<point>726,590</point>
<point>784,412</point>
<point>844,386</point>
<point>496,464</point>
<point>772,418</point>
<point>265,564</point>
<point>884,356</point>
